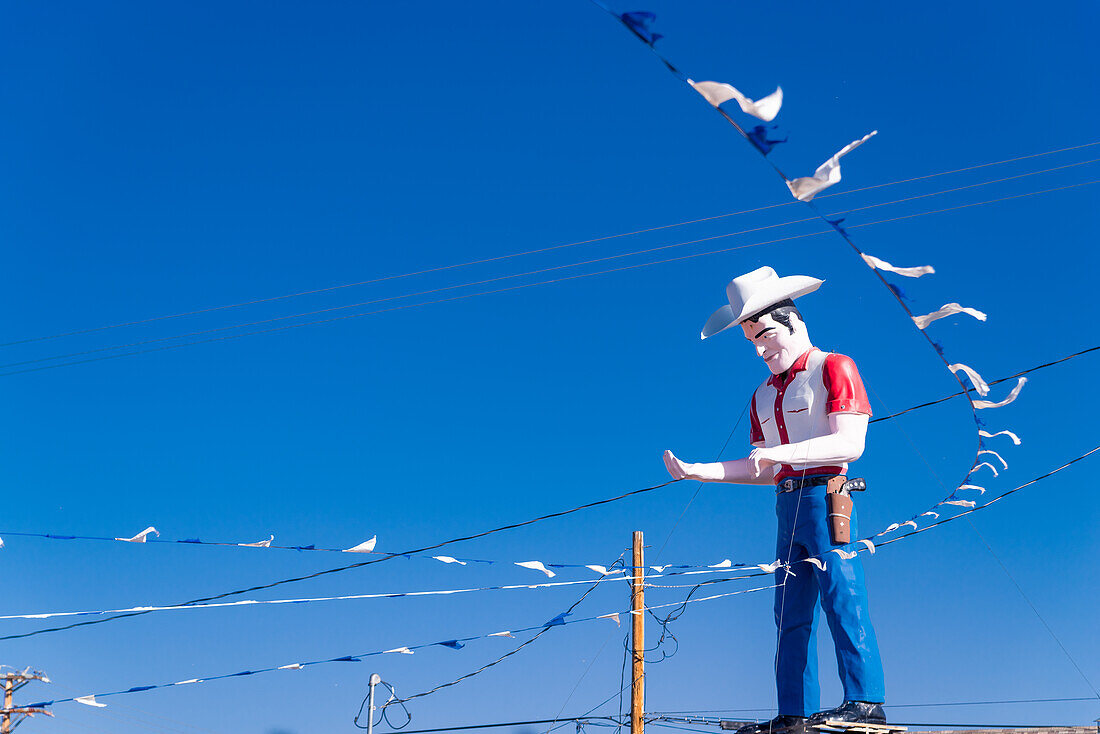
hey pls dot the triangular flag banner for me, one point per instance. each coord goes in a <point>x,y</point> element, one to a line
<point>944,311</point>
<point>975,379</point>
<point>453,644</point>
<point>1010,434</point>
<point>975,487</point>
<point>869,544</point>
<point>983,404</point>
<point>985,463</point>
<point>367,546</point>
<point>140,537</point>
<point>402,650</point>
<point>770,567</point>
<point>959,503</point>
<point>846,555</point>
<point>914,272</point>
<point>723,564</point>
<point>502,634</point>
<point>613,616</point>
<point>558,620</point>
<point>719,92</point>
<point>258,544</point>
<point>1004,463</point>
<point>638,22</point>
<point>816,562</point>
<point>90,701</point>
<point>536,566</point>
<point>448,559</point>
<point>827,174</point>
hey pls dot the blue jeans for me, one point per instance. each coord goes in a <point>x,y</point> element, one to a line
<point>804,532</point>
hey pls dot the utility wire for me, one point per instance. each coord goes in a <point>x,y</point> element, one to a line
<point>540,283</point>
<point>485,281</point>
<point>528,252</point>
<point>360,564</point>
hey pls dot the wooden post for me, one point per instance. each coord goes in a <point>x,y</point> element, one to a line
<point>637,638</point>
<point>5,723</point>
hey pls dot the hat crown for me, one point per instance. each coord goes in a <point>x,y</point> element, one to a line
<point>742,288</point>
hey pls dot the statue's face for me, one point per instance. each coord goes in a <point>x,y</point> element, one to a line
<point>775,343</point>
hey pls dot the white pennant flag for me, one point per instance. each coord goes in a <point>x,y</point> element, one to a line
<point>613,616</point>
<point>846,555</point>
<point>1010,434</point>
<point>985,463</point>
<point>140,537</point>
<point>90,701</point>
<point>536,566</point>
<point>1004,463</point>
<point>448,559</point>
<point>659,569</point>
<point>502,634</point>
<point>959,503</point>
<point>975,487</point>
<point>975,379</point>
<point>402,650</point>
<point>719,92</point>
<point>869,544</point>
<point>910,522</point>
<point>914,272</point>
<point>292,666</point>
<point>367,546</point>
<point>892,527</point>
<point>770,567</point>
<point>816,562</point>
<point>827,174</point>
<point>258,544</point>
<point>934,515</point>
<point>603,570</point>
<point>723,564</point>
<point>190,681</point>
<point>1,542</point>
<point>944,311</point>
<point>983,404</point>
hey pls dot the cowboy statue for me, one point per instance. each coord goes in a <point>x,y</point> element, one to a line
<point>808,420</point>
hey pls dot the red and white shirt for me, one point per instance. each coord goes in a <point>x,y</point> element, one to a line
<point>795,406</point>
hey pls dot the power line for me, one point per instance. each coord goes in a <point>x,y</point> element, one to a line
<point>540,283</point>
<point>538,271</point>
<point>509,256</point>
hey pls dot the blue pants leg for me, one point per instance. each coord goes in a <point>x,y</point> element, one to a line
<point>803,531</point>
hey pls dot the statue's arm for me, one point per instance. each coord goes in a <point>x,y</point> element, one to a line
<point>843,445</point>
<point>738,471</point>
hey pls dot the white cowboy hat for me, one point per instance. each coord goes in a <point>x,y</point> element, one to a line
<point>751,293</point>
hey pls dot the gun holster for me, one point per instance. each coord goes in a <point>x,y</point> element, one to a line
<point>838,504</point>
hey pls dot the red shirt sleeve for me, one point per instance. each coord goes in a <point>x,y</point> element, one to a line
<point>756,434</point>
<point>844,386</point>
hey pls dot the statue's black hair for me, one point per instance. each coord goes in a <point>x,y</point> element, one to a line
<point>781,312</point>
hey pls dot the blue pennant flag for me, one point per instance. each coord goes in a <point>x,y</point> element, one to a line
<point>638,22</point>
<point>243,672</point>
<point>761,138</point>
<point>189,540</point>
<point>346,659</point>
<point>305,547</point>
<point>901,294</point>
<point>135,689</point>
<point>837,226</point>
<point>558,620</point>
<point>453,644</point>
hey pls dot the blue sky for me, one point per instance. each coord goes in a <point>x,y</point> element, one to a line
<point>161,160</point>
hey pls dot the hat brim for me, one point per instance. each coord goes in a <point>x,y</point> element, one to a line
<point>792,286</point>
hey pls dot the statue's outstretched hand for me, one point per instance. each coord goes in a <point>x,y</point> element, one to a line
<point>676,468</point>
<point>759,460</point>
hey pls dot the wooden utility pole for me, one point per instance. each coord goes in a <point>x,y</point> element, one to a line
<point>637,638</point>
<point>12,683</point>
